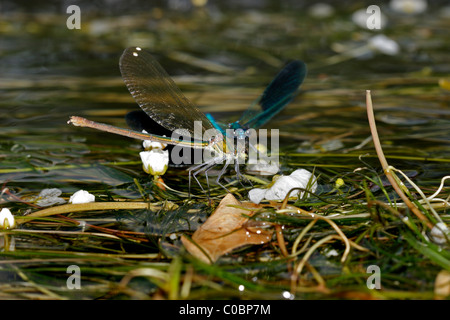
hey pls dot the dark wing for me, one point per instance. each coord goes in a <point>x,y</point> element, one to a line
<point>276,96</point>
<point>157,94</point>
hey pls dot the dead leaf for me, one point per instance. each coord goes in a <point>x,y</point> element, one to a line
<point>442,285</point>
<point>224,231</point>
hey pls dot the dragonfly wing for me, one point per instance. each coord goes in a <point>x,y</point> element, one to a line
<point>276,96</point>
<point>157,94</point>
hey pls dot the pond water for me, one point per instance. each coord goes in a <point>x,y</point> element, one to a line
<point>222,58</point>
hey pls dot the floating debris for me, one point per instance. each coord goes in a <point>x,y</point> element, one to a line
<point>224,231</point>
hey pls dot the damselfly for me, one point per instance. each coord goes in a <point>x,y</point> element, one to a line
<point>162,101</point>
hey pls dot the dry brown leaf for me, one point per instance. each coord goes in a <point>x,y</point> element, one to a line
<point>442,285</point>
<point>224,231</point>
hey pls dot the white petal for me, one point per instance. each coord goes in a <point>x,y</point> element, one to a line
<point>298,179</point>
<point>303,177</point>
<point>81,196</point>
<point>148,144</point>
<point>256,195</point>
<point>281,187</point>
<point>155,161</point>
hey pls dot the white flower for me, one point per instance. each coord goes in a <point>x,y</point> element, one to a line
<point>148,144</point>
<point>297,179</point>
<point>438,233</point>
<point>383,44</point>
<point>155,161</point>
<point>409,6</point>
<point>81,196</point>
<point>7,220</point>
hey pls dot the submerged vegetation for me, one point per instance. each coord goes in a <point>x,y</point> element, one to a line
<point>376,226</point>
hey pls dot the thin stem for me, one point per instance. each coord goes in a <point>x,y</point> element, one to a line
<point>384,163</point>
<point>280,238</point>
<point>82,207</point>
